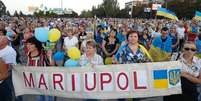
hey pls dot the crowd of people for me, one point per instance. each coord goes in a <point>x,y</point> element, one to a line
<point>102,42</point>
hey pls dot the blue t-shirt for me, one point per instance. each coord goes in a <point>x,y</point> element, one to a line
<point>165,45</point>
<point>174,41</point>
<point>121,37</point>
<point>98,38</point>
<point>198,45</point>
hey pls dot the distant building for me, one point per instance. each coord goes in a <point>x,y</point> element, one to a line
<point>32,9</point>
<point>136,3</point>
<point>61,11</point>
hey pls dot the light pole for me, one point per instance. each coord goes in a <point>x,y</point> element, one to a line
<point>132,10</point>
<point>132,4</point>
<point>62,4</point>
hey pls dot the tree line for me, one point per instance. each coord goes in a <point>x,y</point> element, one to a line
<point>110,8</point>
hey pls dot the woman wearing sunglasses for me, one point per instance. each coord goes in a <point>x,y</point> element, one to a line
<point>190,75</point>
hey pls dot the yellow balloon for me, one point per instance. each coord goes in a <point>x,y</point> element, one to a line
<point>54,35</point>
<point>108,60</point>
<point>74,53</point>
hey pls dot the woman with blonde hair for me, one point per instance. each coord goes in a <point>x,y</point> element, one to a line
<point>90,56</point>
<point>71,40</point>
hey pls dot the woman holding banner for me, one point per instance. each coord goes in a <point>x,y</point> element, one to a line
<point>37,57</point>
<point>132,52</point>
<point>190,74</point>
<point>90,58</point>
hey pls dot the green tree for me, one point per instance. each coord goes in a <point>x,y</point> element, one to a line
<point>124,13</point>
<point>8,13</point>
<point>50,14</point>
<point>2,8</point>
<point>100,11</point>
<point>16,13</point>
<point>86,14</point>
<point>111,8</point>
<point>21,14</point>
<point>39,13</point>
<point>74,14</point>
<point>184,8</point>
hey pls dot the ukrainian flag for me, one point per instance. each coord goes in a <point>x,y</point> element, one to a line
<point>166,13</point>
<point>159,55</point>
<point>197,15</point>
<point>161,51</point>
<point>160,79</point>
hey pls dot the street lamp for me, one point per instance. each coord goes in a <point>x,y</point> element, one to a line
<point>132,10</point>
<point>131,13</point>
<point>62,4</point>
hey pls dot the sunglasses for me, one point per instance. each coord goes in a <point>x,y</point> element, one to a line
<point>192,49</point>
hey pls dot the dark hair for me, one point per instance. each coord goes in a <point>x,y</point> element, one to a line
<point>113,29</point>
<point>3,31</point>
<point>2,28</point>
<point>164,29</point>
<point>131,32</point>
<point>34,41</point>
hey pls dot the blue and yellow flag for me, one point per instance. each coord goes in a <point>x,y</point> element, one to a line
<point>166,13</point>
<point>161,51</point>
<point>197,15</point>
<point>159,55</point>
<point>160,79</point>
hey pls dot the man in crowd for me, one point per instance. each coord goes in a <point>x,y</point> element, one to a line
<point>7,59</point>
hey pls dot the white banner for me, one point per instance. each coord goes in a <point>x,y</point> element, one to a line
<point>100,82</point>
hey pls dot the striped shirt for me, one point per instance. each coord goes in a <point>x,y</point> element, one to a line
<point>39,60</point>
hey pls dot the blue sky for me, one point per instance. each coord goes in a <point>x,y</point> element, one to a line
<point>76,5</point>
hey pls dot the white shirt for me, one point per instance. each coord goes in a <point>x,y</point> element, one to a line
<point>194,68</point>
<point>155,34</point>
<point>180,31</point>
<point>96,60</point>
<point>8,54</point>
<point>69,43</point>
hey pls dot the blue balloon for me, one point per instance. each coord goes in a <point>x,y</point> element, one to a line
<point>9,33</point>
<point>194,30</point>
<point>71,63</point>
<point>41,34</point>
<point>58,56</point>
